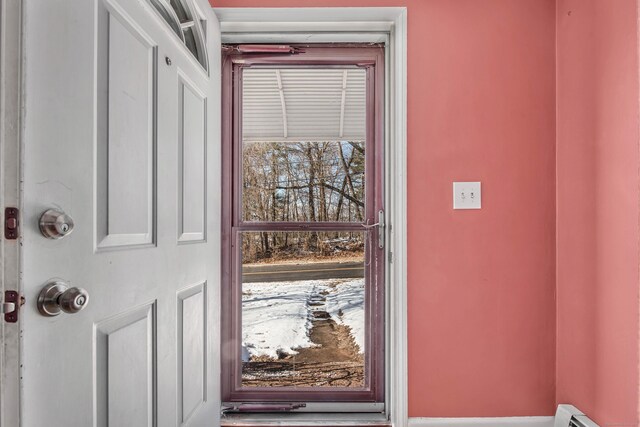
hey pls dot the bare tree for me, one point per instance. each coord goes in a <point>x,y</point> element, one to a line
<point>302,181</point>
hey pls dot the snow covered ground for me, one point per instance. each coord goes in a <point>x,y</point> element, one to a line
<point>345,304</point>
<point>277,316</point>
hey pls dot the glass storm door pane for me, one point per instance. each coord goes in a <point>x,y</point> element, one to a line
<point>303,238</point>
<point>303,309</point>
<point>303,144</point>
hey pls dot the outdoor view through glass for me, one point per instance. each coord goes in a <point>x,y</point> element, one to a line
<point>303,292</point>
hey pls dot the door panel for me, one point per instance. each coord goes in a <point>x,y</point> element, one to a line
<point>124,345</point>
<point>127,74</point>
<point>192,175</point>
<point>121,132</point>
<point>192,354</point>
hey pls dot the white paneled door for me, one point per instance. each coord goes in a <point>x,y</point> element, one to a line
<point>122,134</point>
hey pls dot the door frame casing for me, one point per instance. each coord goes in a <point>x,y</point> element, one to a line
<point>357,25</point>
<point>11,24</point>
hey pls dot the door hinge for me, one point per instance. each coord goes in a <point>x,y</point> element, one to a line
<point>11,306</point>
<point>11,223</point>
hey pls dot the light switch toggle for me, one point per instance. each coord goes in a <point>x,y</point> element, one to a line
<point>467,195</point>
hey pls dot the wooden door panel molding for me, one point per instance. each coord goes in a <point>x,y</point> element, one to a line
<point>126,132</point>
<point>125,374</point>
<point>192,104</point>
<point>192,350</point>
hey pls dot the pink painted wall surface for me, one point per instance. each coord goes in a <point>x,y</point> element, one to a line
<point>481,85</point>
<point>597,174</point>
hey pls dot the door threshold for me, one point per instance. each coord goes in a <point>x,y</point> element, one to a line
<point>305,419</point>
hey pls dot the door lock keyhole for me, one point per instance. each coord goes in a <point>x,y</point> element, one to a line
<point>55,224</point>
<point>57,297</point>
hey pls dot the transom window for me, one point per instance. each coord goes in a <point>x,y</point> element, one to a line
<point>186,22</point>
<point>303,258</point>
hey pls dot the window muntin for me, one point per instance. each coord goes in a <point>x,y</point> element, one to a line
<point>169,17</point>
<point>238,383</point>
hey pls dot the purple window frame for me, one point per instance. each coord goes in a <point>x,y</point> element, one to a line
<point>371,58</point>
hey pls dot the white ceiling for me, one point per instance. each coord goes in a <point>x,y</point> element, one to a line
<point>303,104</point>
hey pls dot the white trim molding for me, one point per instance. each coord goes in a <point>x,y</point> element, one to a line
<point>483,422</point>
<point>386,25</point>
<point>11,24</point>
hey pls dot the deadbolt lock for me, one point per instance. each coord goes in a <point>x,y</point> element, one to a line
<point>55,224</point>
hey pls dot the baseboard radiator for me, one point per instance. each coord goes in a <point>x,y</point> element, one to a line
<point>582,421</point>
<point>570,416</point>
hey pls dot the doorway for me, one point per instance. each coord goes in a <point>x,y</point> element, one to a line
<point>303,228</point>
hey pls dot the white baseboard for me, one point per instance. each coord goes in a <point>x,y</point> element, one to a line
<point>483,422</point>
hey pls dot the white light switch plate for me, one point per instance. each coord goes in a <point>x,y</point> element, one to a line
<point>467,195</point>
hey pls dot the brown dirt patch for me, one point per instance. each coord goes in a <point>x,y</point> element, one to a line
<point>335,361</point>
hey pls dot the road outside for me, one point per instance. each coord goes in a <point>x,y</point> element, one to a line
<point>295,272</point>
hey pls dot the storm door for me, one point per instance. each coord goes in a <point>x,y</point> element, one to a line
<point>303,228</point>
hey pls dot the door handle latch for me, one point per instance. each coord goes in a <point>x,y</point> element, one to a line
<point>7,307</point>
<point>56,296</point>
<point>381,228</point>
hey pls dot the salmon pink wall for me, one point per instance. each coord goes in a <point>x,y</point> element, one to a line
<point>597,164</point>
<point>481,106</point>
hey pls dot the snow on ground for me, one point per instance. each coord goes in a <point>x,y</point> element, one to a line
<point>345,304</point>
<point>277,316</point>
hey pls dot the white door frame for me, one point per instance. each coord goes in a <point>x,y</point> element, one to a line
<point>378,25</point>
<point>10,172</point>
